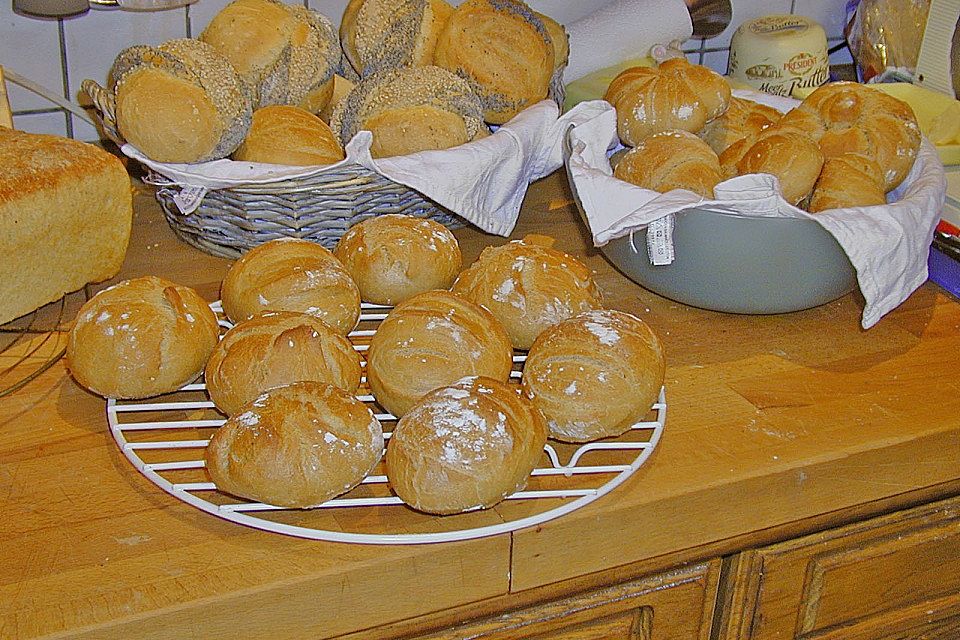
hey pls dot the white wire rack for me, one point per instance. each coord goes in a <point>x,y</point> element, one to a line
<point>164,439</point>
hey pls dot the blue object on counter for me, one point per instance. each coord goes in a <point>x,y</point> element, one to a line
<point>944,270</point>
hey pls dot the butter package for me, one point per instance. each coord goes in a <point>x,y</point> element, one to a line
<point>780,54</point>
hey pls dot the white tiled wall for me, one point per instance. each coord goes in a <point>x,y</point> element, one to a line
<point>59,54</point>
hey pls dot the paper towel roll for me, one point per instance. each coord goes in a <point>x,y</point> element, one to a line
<point>624,29</point>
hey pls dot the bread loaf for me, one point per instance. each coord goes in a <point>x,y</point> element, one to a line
<point>291,275</point>
<point>65,215</point>
<point>671,160</point>
<point>288,135</point>
<point>180,102</point>
<point>296,446</point>
<point>274,349</point>
<point>432,340</point>
<point>742,119</point>
<point>847,180</point>
<point>141,338</point>
<point>594,375</point>
<point>791,156</point>
<point>394,257</point>
<point>466,446</point>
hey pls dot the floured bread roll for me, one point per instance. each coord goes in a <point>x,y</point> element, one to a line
<point>141,338</point>
<point>386,34</point>
<point>742,119</point>
<point>503,50</point>
<point>295,446</point>
<point>394,257</point>
<point>409,110</point>
<point>286,54</point>
<point>594,375</point>
<point>432,340</point>
<point>466,446</point>
<point>529,286</point>
<point>793,157</point>
<point>274,349</point>
<point>291,275</point>
<point>671,160</point>
<point>288,135</point>
<point>675,95</point>
<point>181,101</point>
<point>847,180</point>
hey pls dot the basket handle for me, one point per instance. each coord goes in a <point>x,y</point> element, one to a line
<point>106,105</point>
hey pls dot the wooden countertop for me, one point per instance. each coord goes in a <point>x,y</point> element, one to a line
<point>777,425</point>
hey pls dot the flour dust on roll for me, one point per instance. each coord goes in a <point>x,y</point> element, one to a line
<point>291,275</point>
<point>432,340</point>
<point>394,257</point>
<point>671,160</point>
<point>848,180</point>
<point>595,375</point>
<point>529,286</point>
<point>295,446</point>
<point>141,338</point>
<point>282,134</point>
<point>465,446</point>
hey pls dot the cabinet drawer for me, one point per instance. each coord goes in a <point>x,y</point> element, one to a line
<point>892,577</point>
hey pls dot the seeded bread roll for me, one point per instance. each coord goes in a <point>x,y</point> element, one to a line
<point>408,110</point>
<point>466,446</point>
<point>286,54</point>
<point>291,136</point>
<point>295,446</point>
<point>394,257</point>
<point>791,156</point>
<point>671,160</point>
<point>503,50</point>
<point>180,102</point>
<point>675,95</point>
<point>847,180</point>
<point>529,286</point>
<point>291,275</point>
<point>141,338</point>
<point>594,375</point>
<point>341,87</point>
<point>742,119</point>
<point>432,340</point>
<point>387,34</point>
<point>274,349</point>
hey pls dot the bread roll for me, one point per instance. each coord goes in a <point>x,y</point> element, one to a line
<point>341,87</point>
<point>289,135</point>
<point>742,119</point>
<point>432,340</point>
<point>274,349</point>
<point>394,257</point>
<point>387,34</point>
<point>675,95</point>
<point>141,338</point>
<point>286,54</point>
<point>529,286</point>
<point>65,215</point>
<point>503,50</point>
<point>295,446</point>
<point>847,180</point>
<point>671,160</point>
<point>291,275</point>
<point>180,102</point>
<point>789,155</point>
<point>466,446</point>
<point>558,38</point>
<point>409,110</point>
<point>594,375</point>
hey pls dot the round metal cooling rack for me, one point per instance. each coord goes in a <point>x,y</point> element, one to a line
<point>164,439</point>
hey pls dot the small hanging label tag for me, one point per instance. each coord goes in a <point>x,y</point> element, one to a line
<point>660,241</point>
<point>189,198</point>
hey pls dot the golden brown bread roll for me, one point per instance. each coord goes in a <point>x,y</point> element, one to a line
<point>181,101</point>
<point>594,375</point>
<point>503,50</point>
<point>274,349</point>
<point>291,275</point>
<point>408,110</point>
<point>847,180</point>
<point>742,119</point>
<point>848,117</point>
<point>341,87</point>
<point>141,338</point>
<point>432,340</point>
<point>558,38</point>
<point>529,286</point>
<point>791,156</point>
<point>288,135</point>
<point>466,446</point>
<point>675,95</point>
<point>394,257</point>
<point>295,446</point>
<point>671,160</point>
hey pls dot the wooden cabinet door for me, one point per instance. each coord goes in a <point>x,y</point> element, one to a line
<point>892,578</point>
<point>677,605</point>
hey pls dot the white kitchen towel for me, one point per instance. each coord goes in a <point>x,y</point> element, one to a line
<point>887,244</point>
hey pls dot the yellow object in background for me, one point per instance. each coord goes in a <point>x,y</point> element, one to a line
<point>594,85</point>
<point>937,113</point>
